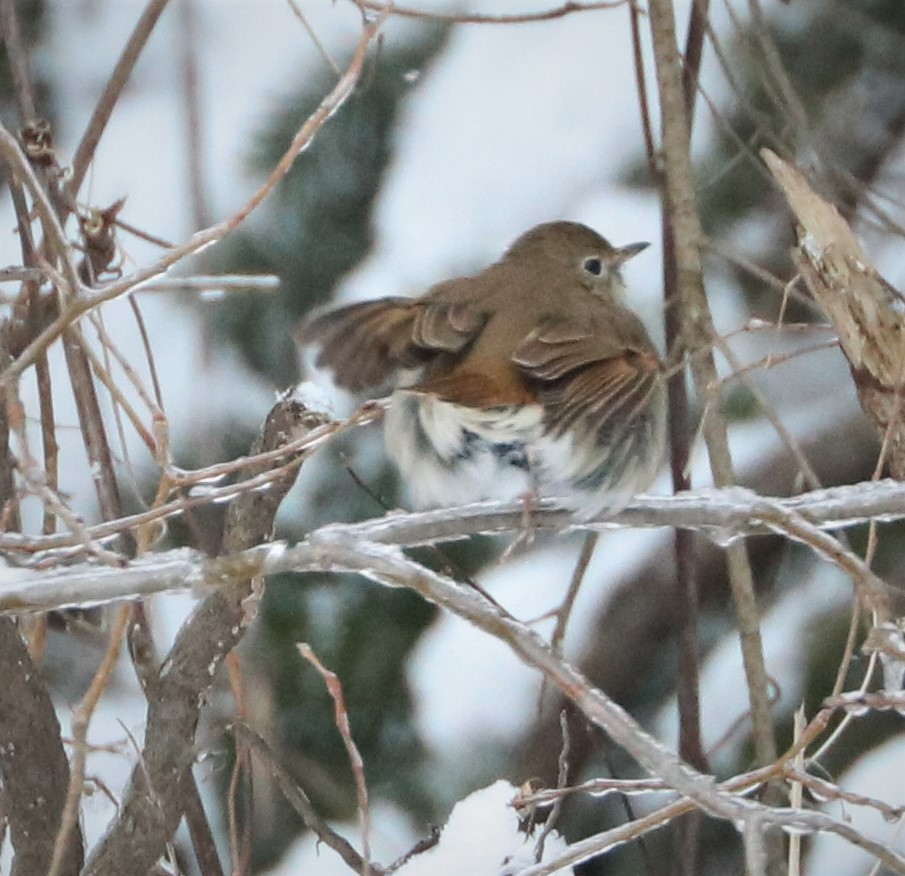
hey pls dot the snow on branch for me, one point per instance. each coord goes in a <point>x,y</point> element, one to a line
<point>722,514</point>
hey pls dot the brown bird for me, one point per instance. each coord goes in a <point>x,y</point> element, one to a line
<point>528,378</point>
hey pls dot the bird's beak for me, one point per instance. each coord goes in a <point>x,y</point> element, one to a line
<point>624,253</point>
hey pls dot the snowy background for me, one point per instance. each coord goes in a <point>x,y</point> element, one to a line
<point>507,127</point>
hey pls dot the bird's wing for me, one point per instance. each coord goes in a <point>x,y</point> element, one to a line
<point>594,376</point>
<point>366,344</point>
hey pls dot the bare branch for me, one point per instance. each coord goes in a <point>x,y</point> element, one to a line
<point>89,300</point>
<point>698,335</point>
<point>301,803</point>
<point>80,723</point>
<point>341,720</point>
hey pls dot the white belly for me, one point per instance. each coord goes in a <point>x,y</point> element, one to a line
<point>450,454</point>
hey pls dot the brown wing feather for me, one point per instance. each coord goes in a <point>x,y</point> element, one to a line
<point>552,351</point>
<point>606,396</point>
<point>366,344</point>
<point>443,326</point>
<point>363,344</point>
<point>590,377</point>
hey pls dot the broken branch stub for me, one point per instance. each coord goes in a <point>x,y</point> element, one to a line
<point>868,313</point>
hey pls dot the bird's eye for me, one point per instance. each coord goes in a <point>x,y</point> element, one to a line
<point>593,266</point>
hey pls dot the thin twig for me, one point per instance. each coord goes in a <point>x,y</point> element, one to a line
<point>321,48</point>
<point>192,104</point>
<point>223,283</point>
<point>151,362</point>
<point>562,778</point>
<point>36,482</point>
<point>80,723</point>
<point>122,70</point>
<point>117,395</point>
<point>831,791</point>
<point>341,719</point>
<point>299,801</point>
<point>239,845</point>
<point>564,612</point>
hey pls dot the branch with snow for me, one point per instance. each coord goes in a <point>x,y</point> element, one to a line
<point>721,514</point>
<point>371,7</point>
<point>387,565</point>
<point>374,550</point>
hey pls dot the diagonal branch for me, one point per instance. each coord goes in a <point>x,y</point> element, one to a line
<point>388,566</point>
<point>84,153</point>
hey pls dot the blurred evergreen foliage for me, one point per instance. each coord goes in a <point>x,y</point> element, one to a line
<point>364,634</point>
<point>832,53</point>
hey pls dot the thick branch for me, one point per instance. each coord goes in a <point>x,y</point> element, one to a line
<point>155,799</point>
<point>32,762</point>
<point>698,332</point>
<point>866,310</point>
<point>33,765</point>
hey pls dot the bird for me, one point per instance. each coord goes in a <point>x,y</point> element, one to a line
<point>529,379</point>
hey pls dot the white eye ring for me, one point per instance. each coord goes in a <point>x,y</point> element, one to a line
<point>593,265</point>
